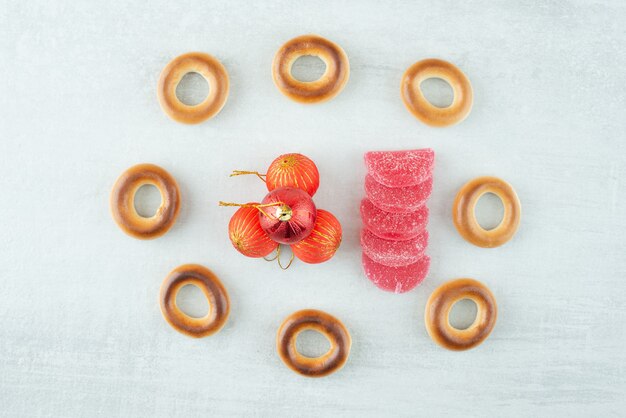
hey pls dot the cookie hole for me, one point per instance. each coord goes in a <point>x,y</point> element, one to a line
<point>312,343</point>
<point>192,301</point>
<point>308,68</point>
<point>463,314</point>
<point>192,89</point>
<point>147,200</point>
<point>489,211</point>
<point>437,91</point>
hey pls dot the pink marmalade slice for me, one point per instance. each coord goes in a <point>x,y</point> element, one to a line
<point>393,226</point>
<point>398,199</point>
<point>396,279</point>
<point>400,168</point>
<point>393,253</point>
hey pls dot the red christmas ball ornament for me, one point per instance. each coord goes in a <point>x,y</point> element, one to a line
<point>323,241</point>
<point>246,234</point>
<point>287,215</point>
<point>293,170</point>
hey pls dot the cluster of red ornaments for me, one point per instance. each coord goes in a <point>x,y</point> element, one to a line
<point>287,215</point>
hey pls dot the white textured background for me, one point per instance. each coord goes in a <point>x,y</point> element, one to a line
<point>81,334</point>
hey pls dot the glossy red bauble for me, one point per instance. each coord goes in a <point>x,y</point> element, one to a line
<point>246,234</point>
<point>293,170</point>
<point>323,241</point>
<point>291,216</point>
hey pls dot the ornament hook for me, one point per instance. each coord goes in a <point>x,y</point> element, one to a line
<point>257,206</point>
<point>278,258</point>
<point>244,172</point>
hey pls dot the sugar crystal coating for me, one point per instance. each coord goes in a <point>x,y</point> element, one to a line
<point>398,199</point>
<point>400,168</point>
<point>393,226</point>
<point>396,279</point>
<point>393,253</point>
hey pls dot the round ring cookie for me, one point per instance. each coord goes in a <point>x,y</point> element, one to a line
<point>214,291</point>
<point>421,108</point>
<point>193,62</point>
<point>465,219</point>
<point>327,86</point>
<point>440,304</point>
<point>123,201</point>
<point>327,325</point>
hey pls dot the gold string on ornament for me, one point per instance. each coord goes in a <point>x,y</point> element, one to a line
<point>244,172</point>
<point>257,206</point>
<point>275,255</point>
<point>277,258</point>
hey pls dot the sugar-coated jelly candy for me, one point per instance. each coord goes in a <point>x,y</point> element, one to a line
<point>393,253</point>
<point>396,279</point>
<point>400,168</point>
<point>393,226</point>
<point>398,199</point>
